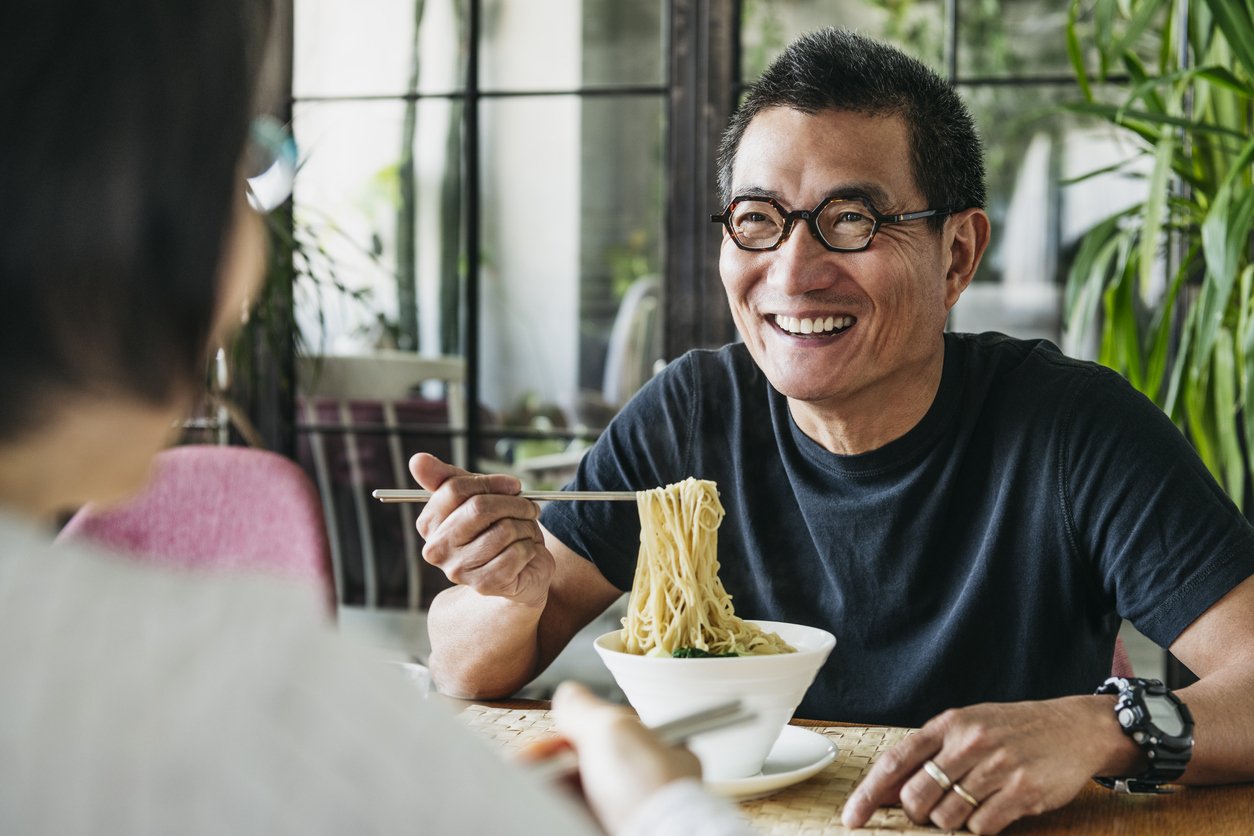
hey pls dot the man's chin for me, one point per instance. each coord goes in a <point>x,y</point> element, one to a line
<point>808,393</point>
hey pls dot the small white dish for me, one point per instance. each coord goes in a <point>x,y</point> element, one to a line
<point>797,754</point>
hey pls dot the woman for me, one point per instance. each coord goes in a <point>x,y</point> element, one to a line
<point>134,700</point>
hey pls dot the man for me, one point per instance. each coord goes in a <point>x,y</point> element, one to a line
<point>971,516</point>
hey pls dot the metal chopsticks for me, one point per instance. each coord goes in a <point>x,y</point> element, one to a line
<point>674,733</point>
<point>423,496</point>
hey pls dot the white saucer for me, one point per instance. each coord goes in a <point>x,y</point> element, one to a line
<point>796,755</point>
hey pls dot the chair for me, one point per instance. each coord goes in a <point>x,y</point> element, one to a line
<point>220,509</point>
<point>360,396</point>
<point>1121,665</point>
<point>635,344</point>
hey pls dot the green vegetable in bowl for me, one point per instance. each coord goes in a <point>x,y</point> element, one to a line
<point>698,653</point>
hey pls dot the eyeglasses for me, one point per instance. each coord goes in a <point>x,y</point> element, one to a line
<point>269,163</point>
<point>843,225</point>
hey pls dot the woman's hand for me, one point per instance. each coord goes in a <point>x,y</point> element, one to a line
<point>621,763</point>
<point>1014,759</point>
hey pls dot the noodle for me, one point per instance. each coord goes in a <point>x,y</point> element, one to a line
<point>677,599</point>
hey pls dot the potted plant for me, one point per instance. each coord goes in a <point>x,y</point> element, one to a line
<point>1187,343</point>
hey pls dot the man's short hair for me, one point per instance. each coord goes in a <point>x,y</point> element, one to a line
<point>123,126</point>
<point>833,69</point>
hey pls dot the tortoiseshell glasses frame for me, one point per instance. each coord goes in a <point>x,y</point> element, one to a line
<point>838,223</point>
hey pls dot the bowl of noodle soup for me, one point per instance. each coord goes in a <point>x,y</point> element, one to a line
<point>661,689</point>
<point>682,647</point>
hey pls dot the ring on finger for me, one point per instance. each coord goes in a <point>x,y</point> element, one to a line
<point>938,775</point>
<point>964,795</point>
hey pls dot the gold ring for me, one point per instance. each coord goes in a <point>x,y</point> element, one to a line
<point>938,775</point>
<point>966,796</point>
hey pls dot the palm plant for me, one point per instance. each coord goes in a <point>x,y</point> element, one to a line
<point>1187,343</point>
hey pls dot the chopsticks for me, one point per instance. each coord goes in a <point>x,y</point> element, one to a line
<point>563,761</point>
<point>423,496</point>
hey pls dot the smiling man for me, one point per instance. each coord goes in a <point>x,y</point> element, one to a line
<point>971,516</point>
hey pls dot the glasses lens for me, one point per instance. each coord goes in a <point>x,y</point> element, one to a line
<point>269,164</point>
<point>756,223</point>
<point>846,224</point>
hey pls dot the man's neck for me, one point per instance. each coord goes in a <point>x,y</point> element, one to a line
<point>869,419</point>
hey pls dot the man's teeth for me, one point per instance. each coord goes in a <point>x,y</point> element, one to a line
<point>818,325</point>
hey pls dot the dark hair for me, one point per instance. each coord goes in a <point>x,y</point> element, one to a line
<point>834,69</point>
<point>122,129</point>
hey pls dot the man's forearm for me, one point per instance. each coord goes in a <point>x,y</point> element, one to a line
<point>1222,705</point>
<point>481,647</point>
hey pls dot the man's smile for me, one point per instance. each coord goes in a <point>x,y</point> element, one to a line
<point>812,327</point>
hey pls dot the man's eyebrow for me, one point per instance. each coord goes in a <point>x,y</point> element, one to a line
<point>871,191</point>
<point>757,191</point>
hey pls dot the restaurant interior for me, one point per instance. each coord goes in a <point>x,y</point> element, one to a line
<point>499,231</point>
<point>392,322</point>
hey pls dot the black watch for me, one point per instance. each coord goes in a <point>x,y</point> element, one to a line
<point>1160,724</point>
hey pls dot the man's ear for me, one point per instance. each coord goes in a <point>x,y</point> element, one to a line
<point>966,234</point>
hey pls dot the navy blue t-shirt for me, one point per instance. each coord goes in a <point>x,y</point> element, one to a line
<point>985,555</point>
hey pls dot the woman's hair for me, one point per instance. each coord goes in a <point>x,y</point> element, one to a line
<point>122,123</point>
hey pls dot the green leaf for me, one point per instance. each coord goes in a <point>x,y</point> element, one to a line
<point>1234,21</point>
<point>1141,18</point>
<point>1160,330</point>
<point>1123,116</point>
<point>1199,418</point>
<point>1154,208</point>
<point>1213,74</point>
<point>1241,337</point>
<point>1128,333</point>
<point>1071,181</point>
<point>1223,78</point>
<point>1141,78</point>
<point>1225,235</point>
<point>1232,463</point>
<point>1103,17</point>
<point>1175,388</point>
<point>1246,367</point>
<point>1075,53</point>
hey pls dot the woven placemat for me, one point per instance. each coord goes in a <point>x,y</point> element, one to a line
<point>806,809</point>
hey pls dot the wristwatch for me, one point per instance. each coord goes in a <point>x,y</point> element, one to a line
<point>1160,724</point>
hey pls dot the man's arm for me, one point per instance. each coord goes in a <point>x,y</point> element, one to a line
<point>1020,759</point>
<point>1219,648</point>
<point>487,646</point>
<point>521,593</point>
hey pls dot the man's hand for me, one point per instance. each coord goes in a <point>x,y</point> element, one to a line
<point>1015,759</point>
<point>481,534</point>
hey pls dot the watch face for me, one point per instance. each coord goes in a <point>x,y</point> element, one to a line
<point>1164,714</point>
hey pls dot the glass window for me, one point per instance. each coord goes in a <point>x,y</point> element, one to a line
<point>768,26</point>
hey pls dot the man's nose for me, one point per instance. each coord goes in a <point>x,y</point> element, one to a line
<point>801,263</point>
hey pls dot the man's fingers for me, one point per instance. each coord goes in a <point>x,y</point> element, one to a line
<point>475,495</point>
<point>888,776</point>
<point>920,793</point>
<point>430,472</point>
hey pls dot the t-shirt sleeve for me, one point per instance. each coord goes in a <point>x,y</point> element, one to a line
<point>1165,539</point>
<point>645,446</point>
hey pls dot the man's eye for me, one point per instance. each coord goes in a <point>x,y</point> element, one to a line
<point>850,218</point>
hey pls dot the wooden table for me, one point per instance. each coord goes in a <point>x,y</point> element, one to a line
<point>1222,811</point>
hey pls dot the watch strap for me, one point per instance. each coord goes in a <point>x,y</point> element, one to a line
<point>1168,756</point>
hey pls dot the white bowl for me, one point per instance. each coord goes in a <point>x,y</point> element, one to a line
<point>662,689</point>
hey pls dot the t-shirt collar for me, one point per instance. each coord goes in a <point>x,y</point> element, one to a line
<point>900,451</point>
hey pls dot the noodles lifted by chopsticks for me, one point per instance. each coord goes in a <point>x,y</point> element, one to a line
<point>677,600</point>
